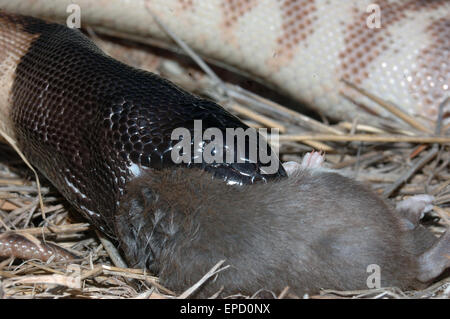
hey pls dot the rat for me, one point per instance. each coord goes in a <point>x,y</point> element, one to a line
<point>315,229</point>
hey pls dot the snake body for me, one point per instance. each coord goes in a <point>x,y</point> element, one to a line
<point>91,124</point>
<point>302,47</point>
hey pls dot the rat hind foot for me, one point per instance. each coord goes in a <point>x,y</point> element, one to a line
<point>291,167</point>
<point>312,160</point>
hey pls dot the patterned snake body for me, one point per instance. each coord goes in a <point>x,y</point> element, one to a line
<point>303,47</point>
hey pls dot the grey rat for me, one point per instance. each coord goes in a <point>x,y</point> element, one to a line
<point>316,229</point>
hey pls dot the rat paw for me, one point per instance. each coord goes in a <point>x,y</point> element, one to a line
<point>291,167</point>
<point>312,160</point>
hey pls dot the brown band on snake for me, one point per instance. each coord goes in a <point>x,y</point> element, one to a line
<point>91,123</point>
<point>233,10</point>
<point>14,44</point>
<point>363,45</point>
<point>186,4</point>
<point>434,68</point>
<point>298,24</point>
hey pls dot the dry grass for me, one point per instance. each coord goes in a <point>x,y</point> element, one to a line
<point>396,160</point>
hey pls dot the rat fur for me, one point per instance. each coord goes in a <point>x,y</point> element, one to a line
<point>315,229</point>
